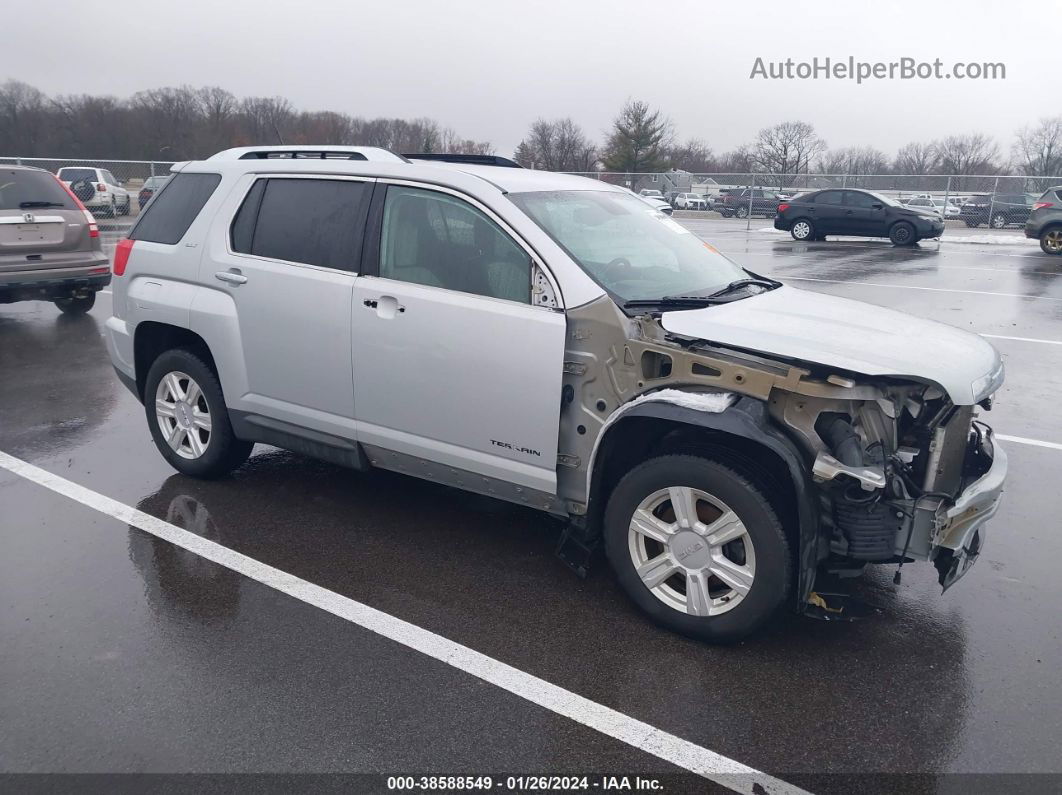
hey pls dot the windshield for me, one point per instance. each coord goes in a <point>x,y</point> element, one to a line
<point>29,190</point>
<point>631,250</point>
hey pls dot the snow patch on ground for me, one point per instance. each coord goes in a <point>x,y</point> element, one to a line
<point>990,240</point>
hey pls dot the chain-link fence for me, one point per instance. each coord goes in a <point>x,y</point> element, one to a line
<point>111,189</point>
<point>119,188</point>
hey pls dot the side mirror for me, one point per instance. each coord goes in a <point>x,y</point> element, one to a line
<point>877,206</point>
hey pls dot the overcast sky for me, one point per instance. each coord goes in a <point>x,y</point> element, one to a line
<point>489,68</point>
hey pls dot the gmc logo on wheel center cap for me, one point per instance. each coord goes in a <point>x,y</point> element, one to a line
<point>685,553</point>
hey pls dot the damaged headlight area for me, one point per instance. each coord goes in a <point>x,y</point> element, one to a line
<point>904,474</point>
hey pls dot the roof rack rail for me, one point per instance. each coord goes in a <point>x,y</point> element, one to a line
<point>308,152</point>
<point>468,160</point>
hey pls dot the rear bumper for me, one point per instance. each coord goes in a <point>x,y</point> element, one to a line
<point>781,223</point>
<point>47,284</point>
<point>120,348</point>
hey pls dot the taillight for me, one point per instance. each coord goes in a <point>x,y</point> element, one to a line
<point>94,230</point>
<point>783,207</point>
<point>1042,205</point>
<point>121,255</point>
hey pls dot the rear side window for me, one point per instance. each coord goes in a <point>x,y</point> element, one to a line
<point>1058,194</point>
<point>31,190</point>
<point>312,221</point>
<point>174,208</point>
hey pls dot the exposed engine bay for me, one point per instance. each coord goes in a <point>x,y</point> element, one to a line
<point>890,468</point>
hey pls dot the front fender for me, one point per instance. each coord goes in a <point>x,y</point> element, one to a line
<point>747,418</point>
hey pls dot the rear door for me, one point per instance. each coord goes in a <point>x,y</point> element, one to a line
<point>452,363</point>
<point>294,247</point>
<point>828,212</point>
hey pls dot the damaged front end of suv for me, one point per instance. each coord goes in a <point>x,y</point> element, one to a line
<point>879,464</point>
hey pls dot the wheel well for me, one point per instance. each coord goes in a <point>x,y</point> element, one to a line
<point>636,439</point>
<point>153,339</point>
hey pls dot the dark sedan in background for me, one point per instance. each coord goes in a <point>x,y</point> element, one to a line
<point>151,186</point>
<point>860,213</point>
<point>997,209</point>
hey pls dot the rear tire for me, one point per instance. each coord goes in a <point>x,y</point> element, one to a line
<point>803,230</point>
<point>173,418</point>
<point>742,212</point>
<point>76,305</point>
<point>1051,241</point>
<point>903,234</point>
<point>973,224</point>
<point>752,551</point>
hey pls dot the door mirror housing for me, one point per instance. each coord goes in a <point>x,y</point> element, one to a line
<point>877,206</point>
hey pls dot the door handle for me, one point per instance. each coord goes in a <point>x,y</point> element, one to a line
<point>231,277</point>
<point>386,306</point>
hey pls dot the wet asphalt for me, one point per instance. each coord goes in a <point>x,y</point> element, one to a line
<point>121,653</point>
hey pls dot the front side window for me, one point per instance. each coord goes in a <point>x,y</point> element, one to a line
<point>312,221</point>
<point>172,211</point>
<point>855,198</point>
<point>630,249</point>
<point>438,240</point>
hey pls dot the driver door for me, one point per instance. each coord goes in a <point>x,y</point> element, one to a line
<point>452,363</point>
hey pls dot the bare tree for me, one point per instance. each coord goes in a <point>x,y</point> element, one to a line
<point>558,145</point>
<point>916,158</point>
<point>23,118</point>
<point>638,139</point>
<point>1038,150</point>
<point>694,156</point>
<point>739,161</point>
<point>853,160</point>
<point>786,149</point>
<point>967,154</point>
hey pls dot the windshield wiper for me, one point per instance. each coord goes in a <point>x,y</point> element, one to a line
<point>671,302</point>
<point>741,284</point>
<point>27,205</point>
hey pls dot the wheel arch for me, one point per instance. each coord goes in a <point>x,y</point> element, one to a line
<point>742,437</point>
<point>151,339</point>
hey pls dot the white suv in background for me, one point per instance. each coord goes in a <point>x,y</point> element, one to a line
<point>549,340</point>
<point>97,188</point>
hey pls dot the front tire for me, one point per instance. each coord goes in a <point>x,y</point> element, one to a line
<point>802,230</point>
<point>999,221</point>
<point>76,305</point>
<point>188,418</point>
<point>1051,241</point>
<point>697,547</point>
<point>742,212</point>
<point>903,234</point>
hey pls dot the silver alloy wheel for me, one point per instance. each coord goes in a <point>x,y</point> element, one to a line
<point>801,230</point>
<point>1053,242</point>
<point>999,221</point>
<point>691,551</point>
<point>183,415</point>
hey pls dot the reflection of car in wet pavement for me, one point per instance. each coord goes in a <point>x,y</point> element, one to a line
<point>44,407</point>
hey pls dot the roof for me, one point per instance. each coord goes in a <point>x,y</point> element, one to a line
<point>381,163</point>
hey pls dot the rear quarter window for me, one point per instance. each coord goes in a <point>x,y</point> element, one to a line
<point>174,208</point>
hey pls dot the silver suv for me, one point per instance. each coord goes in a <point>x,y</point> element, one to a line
<point>49,243</point>
<point>549,340</point>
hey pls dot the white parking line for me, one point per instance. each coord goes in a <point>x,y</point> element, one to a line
<point>930,289</point>
<point>1022,339</point>
<point>607,721</point>
<point>1026,440</point>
